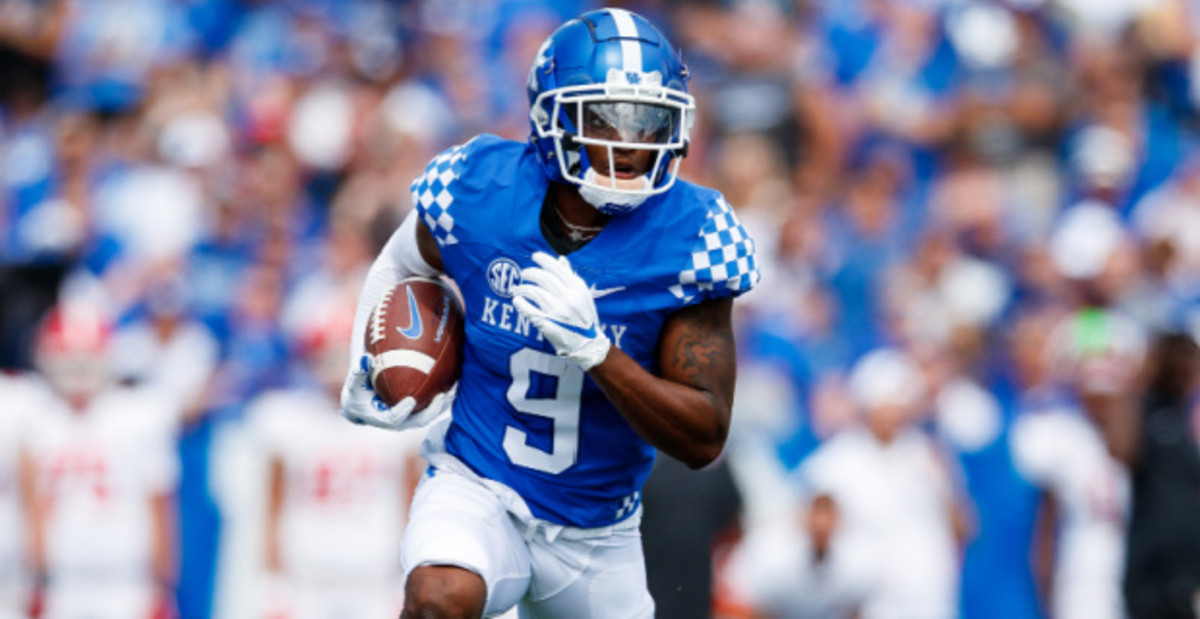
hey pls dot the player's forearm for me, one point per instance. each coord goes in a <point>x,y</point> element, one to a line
<point>162,506</point>
<point>400,258</point>
<point>34,512</point>
<point>274,563</point>
<point>687,423</point>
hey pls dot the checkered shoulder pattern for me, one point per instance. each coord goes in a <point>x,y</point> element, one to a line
<point>628,504</point>
<point>432,195</point>
<point>723,261</point>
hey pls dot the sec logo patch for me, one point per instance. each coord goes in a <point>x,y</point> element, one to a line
<point>502,275</point>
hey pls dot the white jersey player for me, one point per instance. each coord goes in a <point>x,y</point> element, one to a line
<point>99,462</point>
<point>1059,449</point>
<point>336,512</point>
<point>338,496</point>
<point>895,493</point>
<point>1087,362</point>
<point>805,568</point>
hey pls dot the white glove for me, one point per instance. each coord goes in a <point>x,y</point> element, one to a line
<point>559,303</point>
<point>362,405</point>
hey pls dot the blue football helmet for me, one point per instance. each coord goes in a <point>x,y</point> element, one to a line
<point>610,79</point>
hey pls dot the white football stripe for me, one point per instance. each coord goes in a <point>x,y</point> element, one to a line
<point>400,359</point>
<point>631,47</point>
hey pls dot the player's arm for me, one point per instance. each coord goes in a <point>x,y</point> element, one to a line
<point>1045,543</point>
<point>406,254</point>
<point>685,412</point>
<point>411,251</point>
<point>162,506</point>
<point>275,490</point>
<point>427,245</point>
<point>35,509</point>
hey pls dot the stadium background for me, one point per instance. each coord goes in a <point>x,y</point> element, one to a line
<point>906,166</point>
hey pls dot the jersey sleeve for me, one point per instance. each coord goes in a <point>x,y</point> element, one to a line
<point>722,261</point>
<point>451,180</point>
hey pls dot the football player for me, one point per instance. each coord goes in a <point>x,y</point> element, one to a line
<point>98,471</point>
<point>1086,363</point>
<point>597,290</point>
<point>336,492</point>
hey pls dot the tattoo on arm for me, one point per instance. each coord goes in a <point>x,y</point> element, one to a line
<point>702,347</point>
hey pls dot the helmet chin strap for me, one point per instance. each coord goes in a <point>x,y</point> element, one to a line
<point>610,201</point>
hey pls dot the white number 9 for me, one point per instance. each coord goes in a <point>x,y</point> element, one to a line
<point>562,409</point>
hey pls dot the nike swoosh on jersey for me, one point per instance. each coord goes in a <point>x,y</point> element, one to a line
<point>413,330</point>
<point>604,292</point>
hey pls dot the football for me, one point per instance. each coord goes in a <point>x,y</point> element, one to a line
<point>414,337</point>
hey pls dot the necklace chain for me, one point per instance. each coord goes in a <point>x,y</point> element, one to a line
<point>577,233</point>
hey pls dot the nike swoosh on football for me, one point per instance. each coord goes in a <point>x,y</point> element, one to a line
<point>604,292</point>
<point>413,331</point>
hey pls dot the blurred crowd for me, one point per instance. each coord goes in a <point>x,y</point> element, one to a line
<point>975,220</point>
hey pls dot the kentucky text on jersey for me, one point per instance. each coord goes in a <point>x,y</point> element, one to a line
<point>522,415</point>
<point>504,316</point>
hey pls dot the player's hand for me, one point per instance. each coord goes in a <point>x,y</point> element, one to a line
<point>362,405</point>
<point>559,303</point>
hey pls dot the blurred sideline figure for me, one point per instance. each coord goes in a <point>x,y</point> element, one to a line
<point>1088,358</point>
<point>1162,569</point>
<point>1058,443</point>
<point>99,471</point>
<point>337,492</point>
<point>165,348</point>
<point>804,566</point>
<point>688,515</point>
<point>894,491</point>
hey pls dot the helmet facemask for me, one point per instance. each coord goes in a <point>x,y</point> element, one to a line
<point>630,112</point>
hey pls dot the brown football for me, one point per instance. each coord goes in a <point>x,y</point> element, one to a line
<point>414,337</point>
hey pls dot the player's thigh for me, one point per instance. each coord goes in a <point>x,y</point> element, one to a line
<point>612,584</point>
<point>459,523</point>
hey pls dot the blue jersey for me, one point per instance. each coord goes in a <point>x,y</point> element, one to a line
<point>524,416</point>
